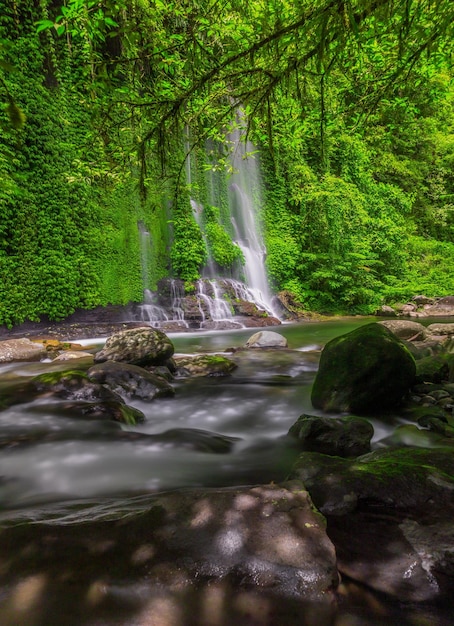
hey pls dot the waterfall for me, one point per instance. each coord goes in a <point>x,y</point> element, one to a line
<point>245,202</point>
<point>236,202</point>
<point>217,308</point>
<point>149,311</point>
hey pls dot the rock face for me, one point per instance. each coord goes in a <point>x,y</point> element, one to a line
<point>346,436</point>
<point>137,346</point>
<point>266,339</point>
<point>264,540</point>
<point>390,517</point>
<point>364,371</point>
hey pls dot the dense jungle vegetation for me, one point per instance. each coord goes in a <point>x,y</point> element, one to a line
<point>350,104</point>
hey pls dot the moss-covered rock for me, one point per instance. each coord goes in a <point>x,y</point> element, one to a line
<point>433,369</point>
<point>205,365</point>
<point>389,514</point>
<point>82,397</point>
<point>363,371</point>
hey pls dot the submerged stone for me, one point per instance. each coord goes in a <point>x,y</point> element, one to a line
<point>196,439</point>
<point>265,542</point>
<point>345,436</point>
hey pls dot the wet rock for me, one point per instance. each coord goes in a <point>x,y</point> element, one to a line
<point>266,538</point>
<point>267,339</point>
<point>404,329</point>
<point>196,439</point>
<point>386,310</point>
<point>390,517</point>
<point>137,346</point>
<point>70,385</point>
<point>422,300</point>
<point>364,371</point>
<point>441,329</point>
<point>83,397</point>
<point>345,436</point>
<point>205,365</point>
<point>69,355</point>
<point>21,350</point>
<point>259,322</point>
<point>131,381</point>
<point>108,410</point>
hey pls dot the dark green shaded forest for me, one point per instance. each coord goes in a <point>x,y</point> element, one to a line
<point>349,103</point>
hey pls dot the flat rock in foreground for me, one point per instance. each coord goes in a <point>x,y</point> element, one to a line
<point>265,539</point>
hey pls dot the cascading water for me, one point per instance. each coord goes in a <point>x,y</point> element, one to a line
<point>149,310</point>
<point>244,201</point>
<point>240,197</point>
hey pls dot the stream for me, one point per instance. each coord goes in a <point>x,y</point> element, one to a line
<point>71,458</point>
<point>73,470</point>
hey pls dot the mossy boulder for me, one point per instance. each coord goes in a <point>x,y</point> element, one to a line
<point>389,514</point>
<point>364,371</point>
<point>433,369</point>
<point>205,365</point>
<point>82,397</point>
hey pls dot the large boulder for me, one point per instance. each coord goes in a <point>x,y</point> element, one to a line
<point>390,517</point>
<point>137,346</point>
<point>364,371</point>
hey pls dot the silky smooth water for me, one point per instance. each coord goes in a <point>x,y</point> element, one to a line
<point>55,457</point>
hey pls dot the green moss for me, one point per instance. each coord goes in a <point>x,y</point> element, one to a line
<point>52,378</point>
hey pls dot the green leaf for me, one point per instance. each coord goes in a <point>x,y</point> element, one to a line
<point>43,25</point>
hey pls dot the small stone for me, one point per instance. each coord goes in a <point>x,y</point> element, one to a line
<point>266,339</point>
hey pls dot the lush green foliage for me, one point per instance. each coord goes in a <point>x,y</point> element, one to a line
<point>188,253</point>
<point>350,103</point>
<point>221,249</point>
